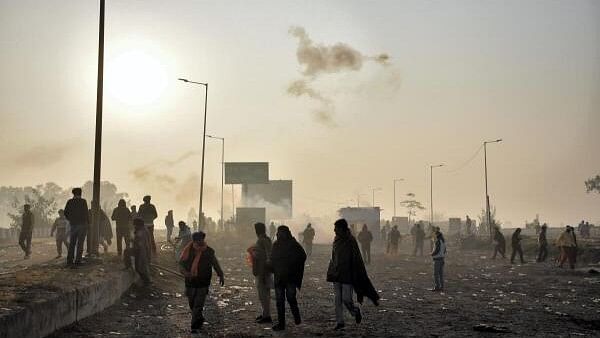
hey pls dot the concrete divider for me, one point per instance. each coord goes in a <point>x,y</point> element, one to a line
<point>41,317</point>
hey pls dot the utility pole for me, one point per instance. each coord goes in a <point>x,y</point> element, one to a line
<point>94,233</point>
<point>487,196</point>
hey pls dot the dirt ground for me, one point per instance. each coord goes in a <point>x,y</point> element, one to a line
<point>528,300</point>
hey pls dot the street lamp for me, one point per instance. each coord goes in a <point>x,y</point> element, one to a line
<point>222,174</point>
<point>374,190</point>
<point>396,180</point>
<point>487,196</point>
<point>431,191</point>
<point>203,145</point>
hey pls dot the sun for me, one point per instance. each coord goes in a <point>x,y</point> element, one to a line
<point>135,78</point>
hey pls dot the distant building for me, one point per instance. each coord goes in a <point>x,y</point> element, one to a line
<point>359,216</point>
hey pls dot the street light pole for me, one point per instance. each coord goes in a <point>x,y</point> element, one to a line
<point>222,139</point>
<point>200,214</point>
<point>487,196</point>
<point>94,234</point>
<point>396,180</point>
<point>431,190</point>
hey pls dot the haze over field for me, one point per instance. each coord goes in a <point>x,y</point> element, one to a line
<point>419,83</point>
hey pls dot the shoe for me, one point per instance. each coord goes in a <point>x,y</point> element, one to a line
<point>339,327</point>
<point>279,327</point>
<point>297,320</point>
<point>358,317</point>
<point>435,290</point>
<point>264,320</point>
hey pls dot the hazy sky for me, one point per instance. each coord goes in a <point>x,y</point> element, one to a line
<point>460,72</point>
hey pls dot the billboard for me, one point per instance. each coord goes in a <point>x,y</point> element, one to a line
<point>246,172</point>
<point>275,196</point>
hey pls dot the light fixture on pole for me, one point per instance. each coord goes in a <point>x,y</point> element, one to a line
<point>200,213</point>
<point>431,190</point>
<point>487,196</point>
<point>222,139</point>
<point>396,180</point>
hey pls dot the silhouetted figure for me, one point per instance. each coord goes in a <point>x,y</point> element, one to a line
<point>141,250</point>
<point>348,274</point>
<point>60,227</point>
<point>105,230</point>
<point>27,221</point>
<point>567,243</point>
<point>384,232</point>
<point>288,259</point>
<point>365,238</point>
<point>122,217</point>
<point>169,224</point>
<point>134,215</point>
<point>196,263</point>
<point>468,226</point>
<point>76,212</point>
<point>438,255</point>
<point>272,231</point>
<point>195,225</point>
<point>308,236</point>
<point>516,246</point>
<point>542,244</point>
<point>394,239</point>
<point>418,235</point>
<point>261,260</point>
<point>499,243</point>
<point>147,212</point>
<point>184,237</point>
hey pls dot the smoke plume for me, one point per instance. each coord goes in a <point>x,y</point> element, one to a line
<point>319,59</point>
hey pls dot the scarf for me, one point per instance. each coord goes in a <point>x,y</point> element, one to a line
<point>185,255</point>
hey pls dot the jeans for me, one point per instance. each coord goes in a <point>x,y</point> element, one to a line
<point>438,274</point>
<point>122,235</point>
<point>77,238</point>
<point>418,247</point>
<point>169,234</point>
<point>25,241</point>
<point>150,228</point>
<point>61,238</point>
<point>264,284</point>
<point>343,297</point>
<point>281,293</point>
<point>196,299</point>
<point>542,253</point>
<point>499,248</point>
<point>516,250</point>
<point>366,253</point>
<point>308,248</point>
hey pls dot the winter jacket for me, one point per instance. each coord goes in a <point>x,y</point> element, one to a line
<point>122,217</point>
<point>287,259</point>
<point>208,262</point>
<point>28,219</point>
<point>148,213</point>
<point>567,238</point>
<point>262,256</point>
<point>365,237</point>
<point>439,248</point>
<point>76,211</point>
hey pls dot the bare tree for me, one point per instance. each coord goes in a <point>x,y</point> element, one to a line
<point>593,184</point>
<point>412,205</point>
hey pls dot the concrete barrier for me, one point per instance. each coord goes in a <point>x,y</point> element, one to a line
<point>41,317</point>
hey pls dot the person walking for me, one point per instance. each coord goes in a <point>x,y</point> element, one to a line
<point>288,260</point>
<point>542,244</point>
<point>567,243</point>
<point>261,261</point>
<point>394,239</point>
<point>169,224</point>
<point>26,233</point>
<point>196,264</point>
<point>183,238</point>
<point>147,212</point>
<point>308,237</point>
<point>105,229</point>
<point>60,227</point>
<point>365,238</point>
<point>438,255</point>
<point>499,243</point>
<point>76,212</point>
<point>348,274</point>
<point>516,246</point>
<point>122,217</point>
<point>141,250</point>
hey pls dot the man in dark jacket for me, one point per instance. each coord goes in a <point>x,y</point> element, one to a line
<point>141,250</point>
<point>76,212</point>
<point>365,238</point>
<point>394,238</point>
<point>104,231</point>
<point>418,235</point>
<point>542,244</point>
<point>288,259</point>
<point>516,246</point>
<point>500,243</point>
<point>122,217</point>
<point>169,224</point>
<point>261,261</point>
<point>147,212</point>
<point>196,263</point>
<point>348,274</point>
<point>26,230</point>
<point>438,255</point>
<point>308,236</point>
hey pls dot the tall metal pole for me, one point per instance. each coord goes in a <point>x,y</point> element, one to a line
<point>487,196</point>
<point>200,213</point>
<point>95,231</point>
<point>222,180</point>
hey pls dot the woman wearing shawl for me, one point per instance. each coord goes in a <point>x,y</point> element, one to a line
<point>348,274</point>
<point>196,263</point>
